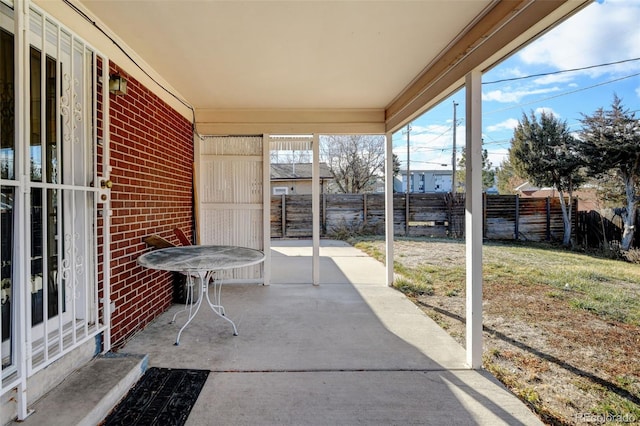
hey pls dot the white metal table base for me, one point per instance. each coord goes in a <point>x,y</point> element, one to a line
<point>201,262</point>
<point>216,305</point>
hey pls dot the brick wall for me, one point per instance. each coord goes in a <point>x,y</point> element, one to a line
<point>152,161</point>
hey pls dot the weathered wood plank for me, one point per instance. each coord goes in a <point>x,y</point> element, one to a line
<point>429,215</point>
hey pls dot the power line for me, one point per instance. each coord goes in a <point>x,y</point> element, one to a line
<point>440,135</point>
<point>562,71</point>
<point>462,120</point>
<point>562,94</point>
<point>430,162</point>
<point>135,63</point>
<point>430,140</point>
<point>505,142</point>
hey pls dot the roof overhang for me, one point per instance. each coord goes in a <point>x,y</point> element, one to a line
<point>505,27</point>
<point>286,67</point>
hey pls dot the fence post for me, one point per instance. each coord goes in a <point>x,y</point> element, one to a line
<point>283,216</point>
<point>406,213</point>
<point>324,214</point>
<point>364,209</point>
<point>636,223</point>
<point>548,218</point>
<point>516,225</point>
<point>574,218</point>
<point>484,215</point>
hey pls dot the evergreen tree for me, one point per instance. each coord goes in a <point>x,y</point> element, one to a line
<point>488,174</point>
<point>396,165</point>
<point>544,152</point>
<point>611,144</point>
<point>507,180</point>
<point>609,189</point>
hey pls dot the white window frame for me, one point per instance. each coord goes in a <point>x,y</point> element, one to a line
<point>280,190</point>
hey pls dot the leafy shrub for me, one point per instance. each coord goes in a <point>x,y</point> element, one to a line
<point>348,230</point>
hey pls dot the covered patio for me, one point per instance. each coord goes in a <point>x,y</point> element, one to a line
<point>350,351</point>
<point>241,74</point>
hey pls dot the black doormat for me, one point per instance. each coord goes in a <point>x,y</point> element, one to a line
<point>162,397</point>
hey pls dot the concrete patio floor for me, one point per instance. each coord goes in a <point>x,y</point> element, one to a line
<point>349,351</point>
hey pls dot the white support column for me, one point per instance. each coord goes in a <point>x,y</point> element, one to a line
<point>266,208</point>
<point>197,185</point>
<point>315,208</point>
<point>106,211</point>
<point>388,206</point>
<point>20,298</point>
<point>473,218</point>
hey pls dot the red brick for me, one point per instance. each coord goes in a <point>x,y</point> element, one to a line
<point>151,149</point>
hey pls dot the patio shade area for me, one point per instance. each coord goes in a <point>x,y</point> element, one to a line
<point>351,350</point>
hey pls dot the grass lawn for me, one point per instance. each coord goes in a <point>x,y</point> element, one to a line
<point>561,328</point>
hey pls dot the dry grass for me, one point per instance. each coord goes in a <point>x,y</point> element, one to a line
<point>562,329</point>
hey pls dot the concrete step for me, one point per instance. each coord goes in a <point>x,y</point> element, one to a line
<point>88,395</point>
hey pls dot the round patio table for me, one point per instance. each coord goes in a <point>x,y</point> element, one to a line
<point>201,263</point>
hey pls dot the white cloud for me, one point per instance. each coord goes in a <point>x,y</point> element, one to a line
<point>426,132</point>
<point>431,146</point>
<point>553,79</point>
<point>511,123</point>
<point>600,33</point>
<point>505,73</point>
<point>546,110</point>
<point>497,156</point>
<point>506,96</point>
<point>508,124</point>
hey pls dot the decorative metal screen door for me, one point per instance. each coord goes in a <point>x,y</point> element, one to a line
<point>230,190</point>
<point>49,230</point>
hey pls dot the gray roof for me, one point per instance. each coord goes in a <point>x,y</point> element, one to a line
<point>298,171</point>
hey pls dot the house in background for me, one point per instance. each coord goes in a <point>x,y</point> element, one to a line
<point>424,181</point>
<point>296,178</point>
<point>587,197</point>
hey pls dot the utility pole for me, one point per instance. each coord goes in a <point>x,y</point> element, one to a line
<point>406,213</point>
<point>453,156</point>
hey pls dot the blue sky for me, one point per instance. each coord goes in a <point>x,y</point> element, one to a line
<point>602,33</point>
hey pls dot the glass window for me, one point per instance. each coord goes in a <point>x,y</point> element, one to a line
<point>7,106</point>
<point>8,172</point>
<point>6,271</point>
<point>44,285</point>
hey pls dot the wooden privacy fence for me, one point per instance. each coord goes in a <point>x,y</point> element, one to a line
<point>436,215</point>
<point>602,228</point>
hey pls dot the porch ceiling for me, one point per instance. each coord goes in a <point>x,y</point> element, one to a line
<point>320,55</point>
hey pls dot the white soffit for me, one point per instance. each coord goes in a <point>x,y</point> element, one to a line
<point>287,54</point>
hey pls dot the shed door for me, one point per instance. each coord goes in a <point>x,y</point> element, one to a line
<point>230,190</point>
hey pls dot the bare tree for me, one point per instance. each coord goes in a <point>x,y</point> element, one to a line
<point>290,157</point>
<point>356,161</point>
